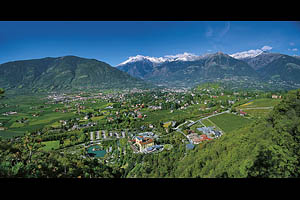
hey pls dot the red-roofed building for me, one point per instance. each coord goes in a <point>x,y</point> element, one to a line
<point>143,142</point>
<point>243,113</point>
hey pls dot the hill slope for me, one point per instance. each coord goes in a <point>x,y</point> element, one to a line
<point>63,73</point>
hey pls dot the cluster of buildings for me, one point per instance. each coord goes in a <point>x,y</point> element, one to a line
<point>274,96</point>
<point>196,139</point>
<point>209,133</point>
<point>145,143</point>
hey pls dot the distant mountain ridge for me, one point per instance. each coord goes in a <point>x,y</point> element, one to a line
<point>189,71</point>
<point>215,66</point>
<point>63,73</point>
<point>159,60</point>
<point>261,60</point>
<point>284,67</point>
<point>181,70</point>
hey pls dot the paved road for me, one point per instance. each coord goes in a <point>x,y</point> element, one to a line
<point>227,111</point>
<point>179,130</point>
<point>199,120</point>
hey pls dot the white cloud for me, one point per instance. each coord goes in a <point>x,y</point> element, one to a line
<point>266,48</point>
<point>292,43</point>
<point>183,57</point>
<point>217,33</point>
<point>225,30</point>
<point>294,49</point>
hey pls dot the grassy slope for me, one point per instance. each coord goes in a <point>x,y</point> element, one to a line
<point>230,122</point>
<point>50,145</point>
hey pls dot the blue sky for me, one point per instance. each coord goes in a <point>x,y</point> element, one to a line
<point>114,41</point>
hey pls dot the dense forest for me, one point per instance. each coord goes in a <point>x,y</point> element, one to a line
<point>269,147</point>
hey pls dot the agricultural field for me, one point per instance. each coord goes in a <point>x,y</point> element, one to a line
<point>258,113</point>
<point>207,122</point>
<point>166,115</point>
<point>259,108</point>
<point>229,122</point>
<point>50,145</point>
<point>264,102</point>
<point>26,107</point>
<point>97,118</point>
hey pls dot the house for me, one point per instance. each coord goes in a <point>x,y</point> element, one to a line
<point>140,116</point>
<point>196,139</point>
<point>143,142</point>
<point>154,148</point>
<point>242,113</point>
<point>230,102</point>
<point>276,97</point>
<point>205,130</point>
<point>217,133</point>
<point>167,124</point>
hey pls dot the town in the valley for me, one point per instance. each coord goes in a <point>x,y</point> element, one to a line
<point>108,125</point>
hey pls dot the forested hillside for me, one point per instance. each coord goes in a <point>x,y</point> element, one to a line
<point>64,73</point>
<point>267,148</point>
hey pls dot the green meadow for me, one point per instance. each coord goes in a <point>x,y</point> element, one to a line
<point>206,122</point>
<point>50,145</point>
<point>259,107</point>
<point>229,122</point>
<point>264,102</point>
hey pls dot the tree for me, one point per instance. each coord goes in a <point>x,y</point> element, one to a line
<point>1,92</point>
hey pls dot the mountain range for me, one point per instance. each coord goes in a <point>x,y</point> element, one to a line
<point>189,69</point>
<point>265,70</point>
<point>64,73</point>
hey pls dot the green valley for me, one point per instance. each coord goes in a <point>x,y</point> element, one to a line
<point>218,123</point>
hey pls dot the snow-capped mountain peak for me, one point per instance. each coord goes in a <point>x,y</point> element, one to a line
<point>178,57</point>
<point>247,54</point>
<point>183,57</point>
<point>136,59</point>
<point>251,53</point>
